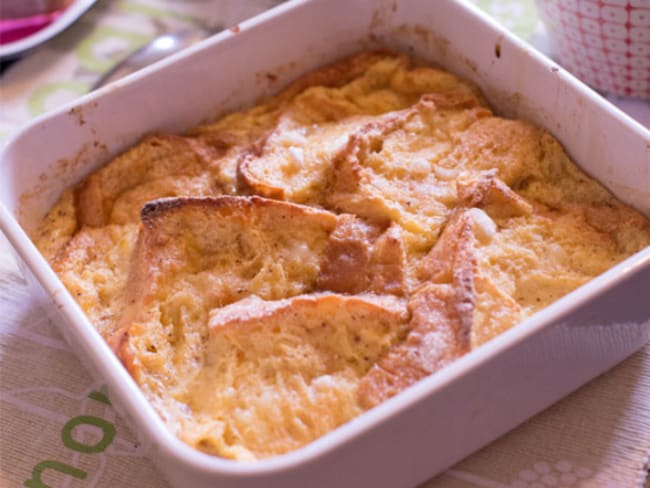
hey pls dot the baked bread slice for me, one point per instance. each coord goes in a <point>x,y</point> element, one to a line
<point>391,168</point>
<point>485,190</point>
<point>197,254</point>
<point>279,374</point>
<point>159,166</point>
<point>311,99</point>
<point>520,152</point>
<point>294,160</point>
<point>372,82</point>
<point>499,259</point>
<point>456,308</point>
<point>539,258</point>
<point>361,257</point>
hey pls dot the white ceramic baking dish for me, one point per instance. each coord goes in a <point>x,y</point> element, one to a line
<point>455,411</point>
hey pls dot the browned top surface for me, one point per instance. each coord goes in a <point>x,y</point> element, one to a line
<point>269,276</point>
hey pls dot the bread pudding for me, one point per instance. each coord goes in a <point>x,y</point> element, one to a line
<point>267,277</point>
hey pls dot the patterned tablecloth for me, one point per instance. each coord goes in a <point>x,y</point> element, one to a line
<point>57,426</point>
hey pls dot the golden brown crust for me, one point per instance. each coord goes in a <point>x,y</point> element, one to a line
<point>442,316</point>
<point>159,166</point>
<point>487,191</point>
<point>250,138</point>
<point>292,162</point>
<point>340,71</point>
<point>388,263</point>
<point>294,365</point>
<point>514,148</point>
<point>362,257</point>
<point>195,254</point>
<point>453,254</point>
<point>451,312</point>
<point>160,210</point>
<point>437,336</point>
<point>294,159</point>
<point>436,224</point>
<point>387,171</point>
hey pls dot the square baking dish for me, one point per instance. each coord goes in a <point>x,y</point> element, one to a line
<point>459,409</point>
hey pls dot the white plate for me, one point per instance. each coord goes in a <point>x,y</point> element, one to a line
<point>62,22</point>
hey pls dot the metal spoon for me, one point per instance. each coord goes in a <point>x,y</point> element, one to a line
<point>155,50</point>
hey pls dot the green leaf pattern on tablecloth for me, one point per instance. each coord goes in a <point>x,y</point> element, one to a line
<point>105,45</point>
<point>51,95</point>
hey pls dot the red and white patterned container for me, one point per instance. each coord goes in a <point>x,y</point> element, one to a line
<point>605,43</point>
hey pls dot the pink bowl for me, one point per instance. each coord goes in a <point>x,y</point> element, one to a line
<point>605,43</point>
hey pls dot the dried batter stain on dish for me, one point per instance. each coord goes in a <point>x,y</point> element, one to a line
<point>80,113</point>
<point>436,46</point>
<point>268,79</point>
<point>509,104</point>
<point>77,114</point>
<point>61,170</point>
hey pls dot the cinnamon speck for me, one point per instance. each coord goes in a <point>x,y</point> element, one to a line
<point>77,113</point>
